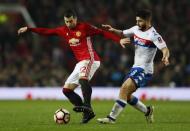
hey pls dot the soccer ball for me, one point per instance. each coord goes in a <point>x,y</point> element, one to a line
<point>62,116</point>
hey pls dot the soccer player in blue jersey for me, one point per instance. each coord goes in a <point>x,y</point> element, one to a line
<point>146,42</point>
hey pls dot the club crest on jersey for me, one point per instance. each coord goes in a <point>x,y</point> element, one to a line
<point>78,33</point>
<point>160,39</point>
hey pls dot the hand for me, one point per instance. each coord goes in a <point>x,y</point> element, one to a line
<point>165,60</point>
<point>125,41</point>
<point>166,55</point>
<point>22,30</point>
<point>108,27</point>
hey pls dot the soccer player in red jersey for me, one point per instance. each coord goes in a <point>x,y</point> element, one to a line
<point>78,36</point>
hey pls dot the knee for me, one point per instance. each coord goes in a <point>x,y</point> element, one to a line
<point>132,100</point>
<point>129,95</point>
<point>66,90</point>
<point>129,98</point>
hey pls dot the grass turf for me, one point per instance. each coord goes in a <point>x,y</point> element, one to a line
<point>38,116</point>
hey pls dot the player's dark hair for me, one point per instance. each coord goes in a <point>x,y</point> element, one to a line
<point>144,14</point>
<point>68,13</point>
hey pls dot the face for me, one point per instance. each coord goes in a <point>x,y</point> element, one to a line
<point>70,22</point>
<point>141,23</point>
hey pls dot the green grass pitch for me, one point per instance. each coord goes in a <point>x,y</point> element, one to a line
<point>37,115</point>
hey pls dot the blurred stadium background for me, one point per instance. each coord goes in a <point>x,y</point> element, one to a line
<point>35,67</point>
<point>36,61</point>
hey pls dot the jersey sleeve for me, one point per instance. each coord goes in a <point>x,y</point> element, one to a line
<point>45,31</point>
<point>129,32</point>
<point>92,30</point>
<point>158,40</point>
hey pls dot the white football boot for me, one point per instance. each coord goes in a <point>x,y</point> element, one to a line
<point>106,120</point>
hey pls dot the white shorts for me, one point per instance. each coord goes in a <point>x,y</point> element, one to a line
<point>84,68</point>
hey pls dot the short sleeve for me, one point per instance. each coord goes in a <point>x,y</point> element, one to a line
<point>129,32</point>
<point>158,41</point>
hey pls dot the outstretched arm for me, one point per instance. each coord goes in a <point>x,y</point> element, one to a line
<point>107,34</point>
<point>110,28</point>
<point>123,41</point>
<point>41,31</point>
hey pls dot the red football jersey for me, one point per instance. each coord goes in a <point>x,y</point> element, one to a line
<point>82,32</point>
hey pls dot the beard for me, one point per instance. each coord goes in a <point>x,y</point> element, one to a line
<point>72,26</point>
<point>142,27</point>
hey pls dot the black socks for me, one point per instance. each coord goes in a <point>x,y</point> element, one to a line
<point>74,98</point>
<point>86,91</point>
